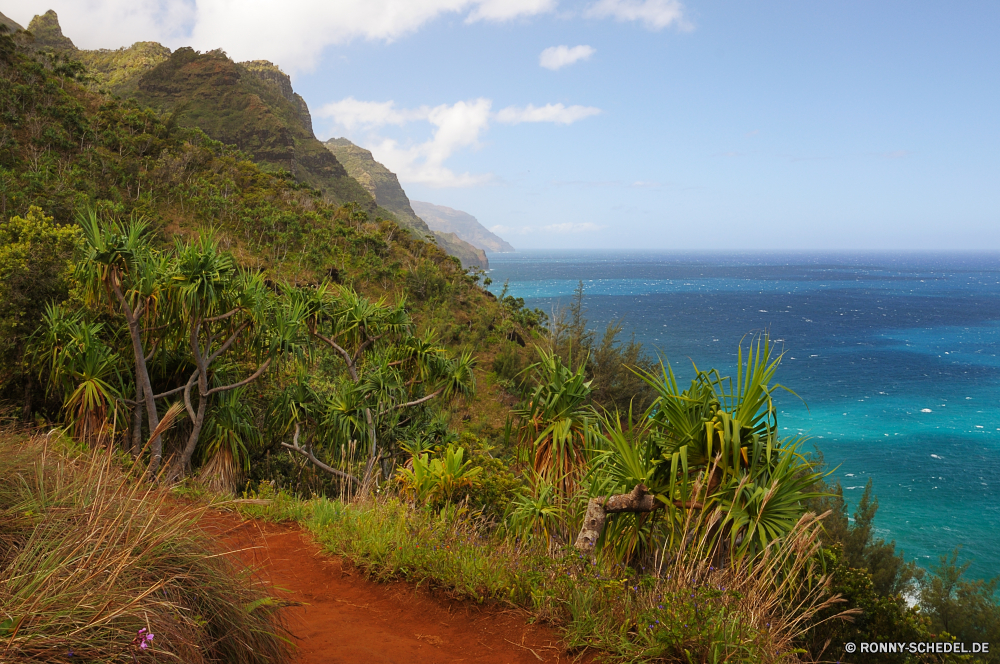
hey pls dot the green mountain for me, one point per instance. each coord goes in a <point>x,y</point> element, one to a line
<point>446,220</point>
<point>384,187</point>
<point>249,104</point>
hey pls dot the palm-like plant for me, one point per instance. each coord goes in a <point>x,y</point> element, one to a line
<point>713,447</point>
<point>121,268</point>
<point>390,370</point>
<point>224,309</point>
<point>557,421</point>
<point>538,513</point>
<point>227,439</point>
<point>80,366</point>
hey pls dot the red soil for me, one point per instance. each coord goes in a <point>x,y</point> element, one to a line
<point>343,617</point>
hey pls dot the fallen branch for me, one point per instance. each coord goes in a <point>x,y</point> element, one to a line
<point>637,500</point>
<point>307,453</point>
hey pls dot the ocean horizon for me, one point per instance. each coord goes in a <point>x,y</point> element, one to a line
<point>895,358</point>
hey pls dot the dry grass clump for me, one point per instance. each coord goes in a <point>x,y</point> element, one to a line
<point>90,555</point>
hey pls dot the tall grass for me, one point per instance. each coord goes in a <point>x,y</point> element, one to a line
<point>90,555</point>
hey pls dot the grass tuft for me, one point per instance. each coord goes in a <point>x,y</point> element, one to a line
<point>90,555</point>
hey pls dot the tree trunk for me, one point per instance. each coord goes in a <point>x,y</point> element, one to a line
<point>142,377</point>
<point>137,422</point>
<point>372,448</point>
<point>197,419</point>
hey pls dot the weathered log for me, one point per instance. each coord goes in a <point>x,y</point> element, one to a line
<point>637,500</point>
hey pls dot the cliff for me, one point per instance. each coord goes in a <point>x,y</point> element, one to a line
<point>250,105</point>
<point>384,187</point>
<point>447,220</point>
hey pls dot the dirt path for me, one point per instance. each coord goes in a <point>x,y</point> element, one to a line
<point>346,618</point>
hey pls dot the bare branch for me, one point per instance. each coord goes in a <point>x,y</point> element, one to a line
<point>307,453</point>
<point>416,402</point>
<point>250,379</point>
<point>215,319</point>
<point>229,342</point>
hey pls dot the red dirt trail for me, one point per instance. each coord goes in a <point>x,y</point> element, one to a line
<point>344,618</point>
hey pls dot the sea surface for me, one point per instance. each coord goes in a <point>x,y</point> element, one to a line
<point>896,358</point>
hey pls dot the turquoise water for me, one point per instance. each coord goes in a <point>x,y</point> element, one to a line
<point>896,357</point>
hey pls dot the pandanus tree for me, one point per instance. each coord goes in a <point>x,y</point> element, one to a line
<point>75,363</point>
<point>388,371</point>
<point>557,421</point>
<point>714,448</point>
<point>229,317</point>
<point>123,272</point>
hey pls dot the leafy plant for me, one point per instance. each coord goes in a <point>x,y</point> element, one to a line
<point>713,448</point>
<point>557,421</point>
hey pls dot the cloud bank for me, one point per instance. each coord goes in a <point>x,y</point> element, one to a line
<point>293,33</point>
<point>654,14</point>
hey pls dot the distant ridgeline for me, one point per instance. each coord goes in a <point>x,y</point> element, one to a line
<point>384,187</point>
<point>250,105</point>
<point>462,224</point>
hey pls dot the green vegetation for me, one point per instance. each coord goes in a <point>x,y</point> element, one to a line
<point>185,312</point>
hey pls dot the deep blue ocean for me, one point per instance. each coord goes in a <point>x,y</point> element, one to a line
<point>896,359</point>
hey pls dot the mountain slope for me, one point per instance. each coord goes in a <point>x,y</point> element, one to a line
<point>11,24</point>
<point>249,105</point>
<point>447,220</point>
<point>384,186</point>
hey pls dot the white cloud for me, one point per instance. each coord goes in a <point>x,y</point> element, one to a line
<point>556,57</point>
<point>291,33</point>
<point>352,114</point>
<point>549,113</point>
<point>456,127</point>
<point>504,10</point>
<point>655,14</point>
<point>95,24</point>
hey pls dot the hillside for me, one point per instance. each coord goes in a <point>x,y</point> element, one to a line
<point>250,105</point>
<point>384,186</point>
<point>447,220</point>
<point>12,25</point>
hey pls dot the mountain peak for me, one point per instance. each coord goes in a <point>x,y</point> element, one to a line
<point>11,24</point>
<point>48,34</point>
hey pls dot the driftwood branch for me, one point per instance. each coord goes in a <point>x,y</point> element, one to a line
<point>637,500</point>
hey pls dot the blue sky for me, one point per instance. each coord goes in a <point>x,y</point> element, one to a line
<point>696,125</point>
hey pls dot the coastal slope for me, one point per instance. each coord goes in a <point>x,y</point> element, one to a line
<point>384,187</point>
<point>464,225</point>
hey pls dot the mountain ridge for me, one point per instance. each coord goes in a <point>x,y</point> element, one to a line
<point>464,225</point>
<point>248,104</point>
<point>384,187</point>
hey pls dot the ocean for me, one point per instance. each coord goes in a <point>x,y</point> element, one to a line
<point>896,358</point>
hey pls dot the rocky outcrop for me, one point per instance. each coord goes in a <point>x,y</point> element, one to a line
<point>269,72</point>
<point>48,34</point>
